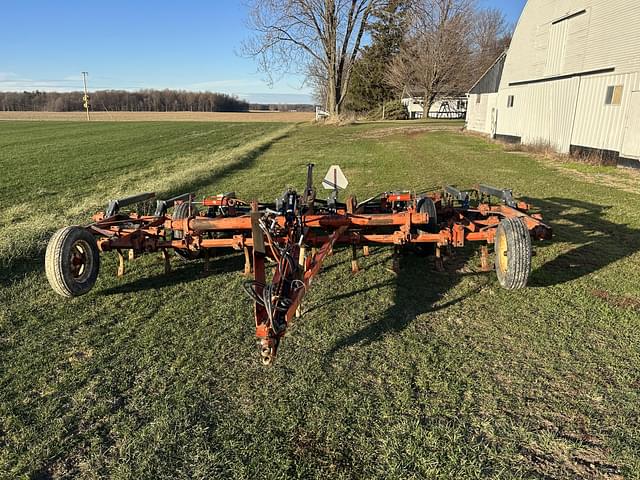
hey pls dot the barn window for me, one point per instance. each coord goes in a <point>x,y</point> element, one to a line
<point>614,95</point>
<point>510,100</point>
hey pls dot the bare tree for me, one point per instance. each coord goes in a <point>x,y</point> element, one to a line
<point>451,43</point>
<point>436,58</point>
<point>319,38</point>
<point>491,37</point>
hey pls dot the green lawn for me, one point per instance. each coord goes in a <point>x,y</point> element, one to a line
<point>420,375</point>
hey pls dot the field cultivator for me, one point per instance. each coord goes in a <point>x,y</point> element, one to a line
<point>286,242</point>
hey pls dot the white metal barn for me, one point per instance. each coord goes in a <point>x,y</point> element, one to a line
<point>570,80</point>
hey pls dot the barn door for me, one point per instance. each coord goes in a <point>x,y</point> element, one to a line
<point>631,142</point>
<point>494,122</point>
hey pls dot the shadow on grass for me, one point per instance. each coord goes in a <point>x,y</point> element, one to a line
<point>244,162</point>
<point>595,241</point>
<point>183,274</point>
<point>18,267</point>
<point>419,288</point>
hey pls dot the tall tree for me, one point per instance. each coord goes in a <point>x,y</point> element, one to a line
<point>491,36</point>
<point>319,38</point>
<point>369,87</point>
<point>436,58</point>
<point>449,44</point>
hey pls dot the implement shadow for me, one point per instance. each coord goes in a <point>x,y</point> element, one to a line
<point>595,241</point>
<point>419,288</point>
<point>243,162</point>
<point>186,273</point>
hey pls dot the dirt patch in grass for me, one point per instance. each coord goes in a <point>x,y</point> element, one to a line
<point>566,449</point>
<point>626,180</point>
<point>408,131</point>
<point>628,303</point>
<point>558,462</point>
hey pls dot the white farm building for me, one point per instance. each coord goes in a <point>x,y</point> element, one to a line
<point>570,80</point>
<point>451,107</point>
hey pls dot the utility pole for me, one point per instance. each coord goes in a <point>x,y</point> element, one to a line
<point>85,99</point>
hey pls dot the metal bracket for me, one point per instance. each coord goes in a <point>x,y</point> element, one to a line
<point>163,205</point>
<point>256,233</point>
<point>458,195</point>
<point>503,194</point>
<point>114,205</point>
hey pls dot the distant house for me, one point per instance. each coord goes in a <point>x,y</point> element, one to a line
<point>454,107</point>
<point>570,81</point>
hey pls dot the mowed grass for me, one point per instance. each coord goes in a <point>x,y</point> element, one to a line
<point>419,375</point>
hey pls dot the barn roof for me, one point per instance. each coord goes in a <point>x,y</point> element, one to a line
<point>490,81</point>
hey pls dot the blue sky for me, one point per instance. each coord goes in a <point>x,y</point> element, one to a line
<point>133,44</point>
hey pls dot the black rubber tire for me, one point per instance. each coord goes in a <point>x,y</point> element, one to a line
<point>181,212</point>
<point>427,205</point>
<point>59,266</point>
<point>513,243</point>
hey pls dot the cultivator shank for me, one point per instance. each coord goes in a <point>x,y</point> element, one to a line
<point>286,242</point>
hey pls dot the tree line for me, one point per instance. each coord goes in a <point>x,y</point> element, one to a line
<point>430,48</point>
<point>122,100</point>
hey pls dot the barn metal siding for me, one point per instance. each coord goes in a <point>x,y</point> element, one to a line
<point>491,115</point>
<point>542,114</point>
<point>598,125</point>
<point>614,35</point>
<point>562,111</point>
<point>539,52</point>
<point>577,41</point>
<point>558,34</point>
<point>631,141</point>
<point>606,35</point>
<point>479,115</point>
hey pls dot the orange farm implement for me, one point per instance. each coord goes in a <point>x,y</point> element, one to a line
<point>286,242</point>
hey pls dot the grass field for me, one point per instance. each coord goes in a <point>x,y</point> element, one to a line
<point>419,375</point>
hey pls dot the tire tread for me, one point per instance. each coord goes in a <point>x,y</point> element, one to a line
<point>54,262</point>
<point>519,254</point>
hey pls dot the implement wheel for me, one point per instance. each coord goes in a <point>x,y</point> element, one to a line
<point>426,205</point>
<point>180,213</point>
<point>72,262</point>
<point>513,254</point>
